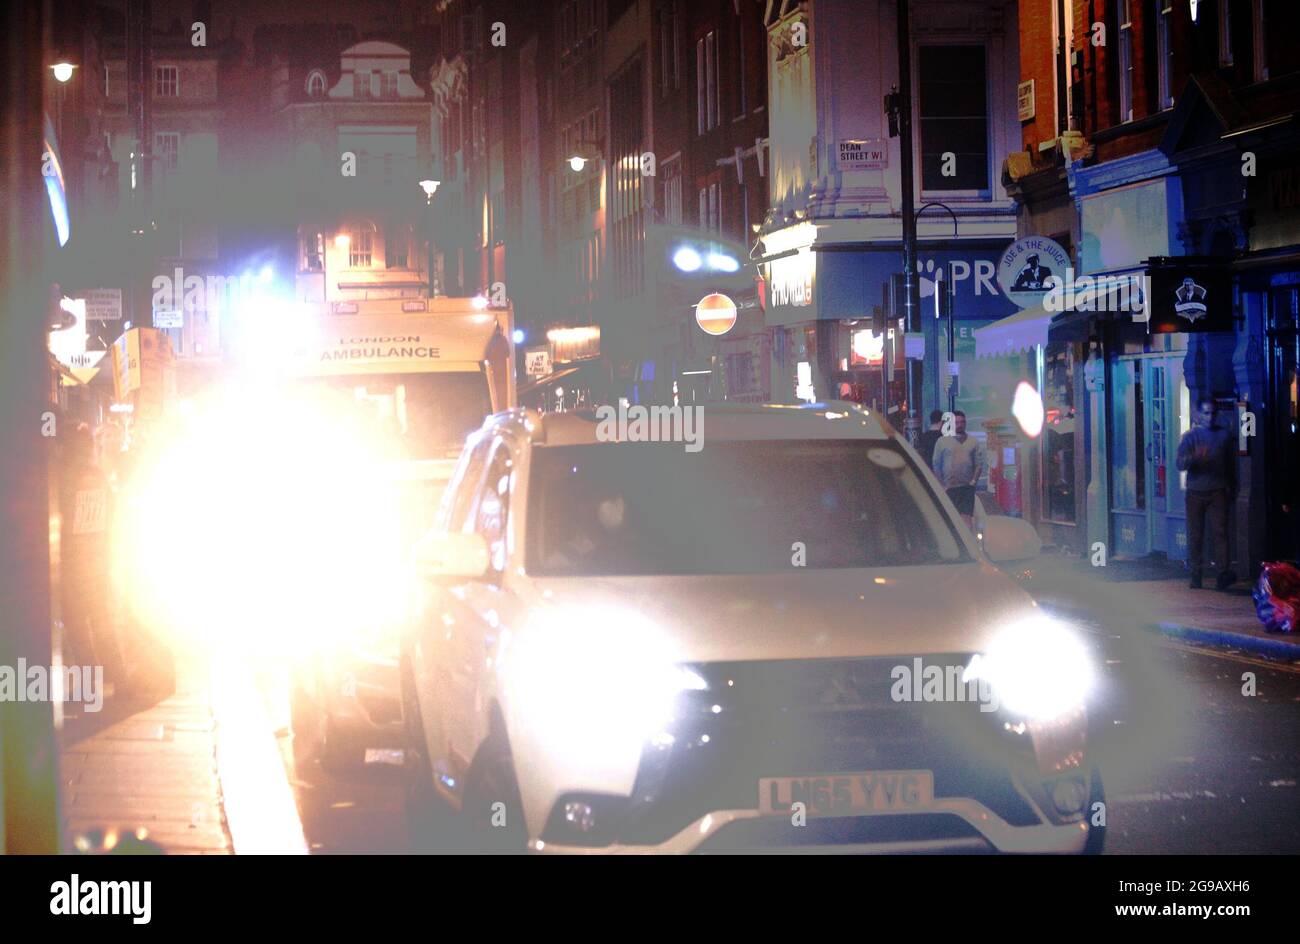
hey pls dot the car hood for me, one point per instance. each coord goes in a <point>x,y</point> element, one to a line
<point>807,614</point>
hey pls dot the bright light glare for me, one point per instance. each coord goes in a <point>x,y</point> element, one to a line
<point>577,162</point>
<point>595,683</point>
<point>687,259</point>
<point>722,262</point>
<point>1038,667</point>
<point>63,71</point>
<point>479,301</point>
<point>518,336</point>
<point>1027,408</point>
<point>264,518</point>
<point>266,274</point>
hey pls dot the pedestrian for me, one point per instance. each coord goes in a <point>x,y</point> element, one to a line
<point>960,462</point>
<point>1205,453</point>
<point>925,445</point>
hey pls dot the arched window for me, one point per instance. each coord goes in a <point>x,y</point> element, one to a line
<point>315,83</point>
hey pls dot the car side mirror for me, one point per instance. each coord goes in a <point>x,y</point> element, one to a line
<point>443,554</point>
<point>1009,539</point>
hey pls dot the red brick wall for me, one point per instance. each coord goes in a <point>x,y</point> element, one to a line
<point>1037,62</point>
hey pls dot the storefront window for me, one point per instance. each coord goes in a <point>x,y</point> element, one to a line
<point>1059,439</point>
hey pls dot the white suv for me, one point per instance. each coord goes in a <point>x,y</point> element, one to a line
<point>783,639</point>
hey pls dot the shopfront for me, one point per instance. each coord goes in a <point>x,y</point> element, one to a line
<point>819,306</point>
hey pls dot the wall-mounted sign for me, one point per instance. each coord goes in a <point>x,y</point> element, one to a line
<point>1025,100</point>
<point>790,280</point>
<point>862,155</point>
<point>1189,298</point>
<point>168,319</point>
<point>1027,264</point>
<point>104,304</point>
<point>537,363</point>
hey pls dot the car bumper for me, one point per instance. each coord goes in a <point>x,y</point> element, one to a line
<point>726,830</point>
<point>993,786</point>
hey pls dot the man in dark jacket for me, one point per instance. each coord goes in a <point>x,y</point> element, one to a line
<point>1206,454</point>
<point>925,445</point>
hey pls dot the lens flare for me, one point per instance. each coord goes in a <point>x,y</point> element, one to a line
<point>1027,408</point>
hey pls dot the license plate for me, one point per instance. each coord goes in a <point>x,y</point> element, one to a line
<point>857,794</point>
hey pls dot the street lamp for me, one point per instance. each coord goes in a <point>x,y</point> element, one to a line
<point>62,71</point>
<point>584,152</point>
<point>430,187</point>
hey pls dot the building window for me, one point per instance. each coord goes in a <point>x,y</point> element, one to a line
<point>387,84</point>
<point>710,208</point>
<point>670,186</point>
<point>167,149</point>
<point>1225,32</point>
<point>738,31</point>
<point>497,217</point>
<point>1125,17</point>
<point>361,85</point>
<point>397,246</point>
<point>315,84</point>
<point>706,82</point>
<point>360,250</point>
<point>166,82</point>
<point>1276,27</point>
<point>1165,52</point>
<point>313,252</point>
<point>954,118</point>
<point>670,58</point>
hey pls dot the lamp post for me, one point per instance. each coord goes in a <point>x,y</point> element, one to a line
<point>430,187</point>
<point>942,286</point>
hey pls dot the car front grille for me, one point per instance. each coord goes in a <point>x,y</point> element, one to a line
<point>805,717</point>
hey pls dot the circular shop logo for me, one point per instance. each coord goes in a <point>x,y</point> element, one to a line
<point>1027,264</point>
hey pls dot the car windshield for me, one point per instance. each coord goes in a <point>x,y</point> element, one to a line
<point>421,416</point>
<point>731,508</point>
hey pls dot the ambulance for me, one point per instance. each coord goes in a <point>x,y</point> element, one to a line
<point>425,372</point>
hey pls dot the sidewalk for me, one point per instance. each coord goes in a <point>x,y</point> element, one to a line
<point>134,766</point>
<point>1156,595</point>
<point>200,772</point>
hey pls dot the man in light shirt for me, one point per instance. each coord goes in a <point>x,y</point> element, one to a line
<point>960,462</point>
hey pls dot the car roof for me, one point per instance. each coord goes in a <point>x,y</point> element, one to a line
<point>721,421</point>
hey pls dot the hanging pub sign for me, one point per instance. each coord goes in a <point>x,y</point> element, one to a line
<point>1189,296</point>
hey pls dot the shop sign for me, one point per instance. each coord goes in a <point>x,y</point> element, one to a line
<point>1190,298</point>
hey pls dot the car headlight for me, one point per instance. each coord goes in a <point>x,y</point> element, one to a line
<point>593,684</point>
<point>1037,667</point>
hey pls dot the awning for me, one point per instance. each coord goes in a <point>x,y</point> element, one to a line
<point>1022,331</point>
<point>1028,328</point>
